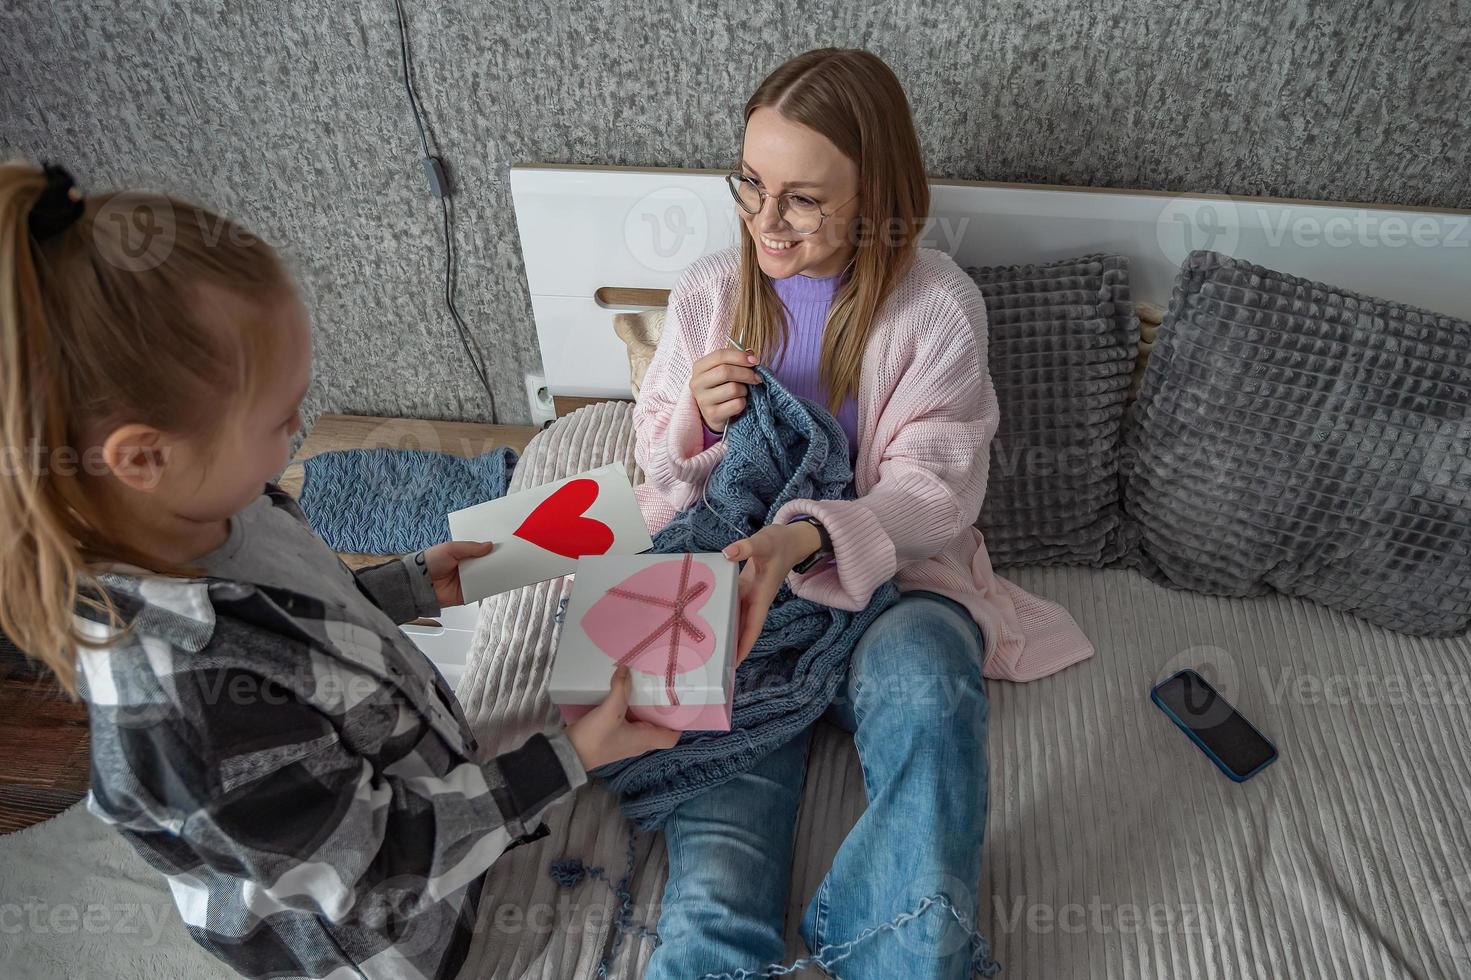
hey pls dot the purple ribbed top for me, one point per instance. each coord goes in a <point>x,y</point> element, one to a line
<point>807,300</point>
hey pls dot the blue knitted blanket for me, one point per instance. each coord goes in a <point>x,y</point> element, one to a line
<point>780,448</point>
<point>396,501</point>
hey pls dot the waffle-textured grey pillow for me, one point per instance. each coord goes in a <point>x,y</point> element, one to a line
<point>1301,437</point>
<point>1063,341</point>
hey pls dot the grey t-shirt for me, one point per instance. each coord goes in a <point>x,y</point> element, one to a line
<point>268,546</point>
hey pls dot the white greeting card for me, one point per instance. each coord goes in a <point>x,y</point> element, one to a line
<point>671,619</point>
<point>540,533</point>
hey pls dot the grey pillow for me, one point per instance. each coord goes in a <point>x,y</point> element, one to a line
<point>1063,341</point>
<point>1296,436</point>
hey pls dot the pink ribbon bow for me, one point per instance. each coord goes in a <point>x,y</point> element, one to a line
<point>676,623</point>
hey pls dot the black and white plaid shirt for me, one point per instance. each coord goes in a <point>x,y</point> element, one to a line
<point>302,775</point>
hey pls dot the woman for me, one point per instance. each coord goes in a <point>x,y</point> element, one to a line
<point>829,286</point>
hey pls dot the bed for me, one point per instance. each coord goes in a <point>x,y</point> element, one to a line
<point>1113,848</point>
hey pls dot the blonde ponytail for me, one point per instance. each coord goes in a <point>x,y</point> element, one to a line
<point>99,326</point>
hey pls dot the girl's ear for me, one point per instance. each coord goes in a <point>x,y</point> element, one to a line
<point>137,455</point>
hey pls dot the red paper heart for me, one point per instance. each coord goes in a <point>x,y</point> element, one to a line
<point>558,526</point>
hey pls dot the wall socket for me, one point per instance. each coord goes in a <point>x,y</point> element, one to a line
<point>539,399</point>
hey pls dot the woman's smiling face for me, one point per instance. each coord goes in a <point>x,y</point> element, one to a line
<point>786,157</point>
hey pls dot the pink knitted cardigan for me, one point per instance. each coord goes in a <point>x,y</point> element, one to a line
<point>927,414</point>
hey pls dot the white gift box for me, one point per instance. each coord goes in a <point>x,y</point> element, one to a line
<point>671,619</point>
<point>446,639</point>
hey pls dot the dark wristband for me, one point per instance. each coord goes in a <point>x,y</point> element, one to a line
<point>824,549</point>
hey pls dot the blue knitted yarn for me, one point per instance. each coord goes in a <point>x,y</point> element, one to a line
<point>396,501</point>
<point>568,872</point>
<point>780,448</point>
<point>571,872</point>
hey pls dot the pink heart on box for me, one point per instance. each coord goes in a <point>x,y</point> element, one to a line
<point>648,621</point>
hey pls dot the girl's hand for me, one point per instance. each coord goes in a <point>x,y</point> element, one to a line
<point>605,734</point>
<point>719,382</point>
<point>770,555</point>
<point>443,561</point>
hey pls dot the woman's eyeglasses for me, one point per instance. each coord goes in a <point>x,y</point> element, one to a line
<point>801,213</point>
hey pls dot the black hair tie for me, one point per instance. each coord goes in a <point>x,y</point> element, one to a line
<point>59,205</point>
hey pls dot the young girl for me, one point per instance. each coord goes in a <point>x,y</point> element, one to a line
<point>828,286</point>
<point>262,732</point>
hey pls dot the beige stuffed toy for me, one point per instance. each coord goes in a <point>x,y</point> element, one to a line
<point>640,331</point>
<point>1150,317</point>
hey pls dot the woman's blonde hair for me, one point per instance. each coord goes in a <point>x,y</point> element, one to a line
<point>101,324</point>
<point>851,97</point>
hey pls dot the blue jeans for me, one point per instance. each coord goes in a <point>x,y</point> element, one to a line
<point>916,704</point>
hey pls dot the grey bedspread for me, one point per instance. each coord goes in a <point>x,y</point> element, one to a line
<point>1114,850</point>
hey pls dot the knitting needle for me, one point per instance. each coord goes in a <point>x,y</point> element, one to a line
<point>704,497</point>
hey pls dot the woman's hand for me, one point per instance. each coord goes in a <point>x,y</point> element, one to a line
<point>443,561</point>
<point>770,555</point>
<point>605,734</point>
<point>719,381</point>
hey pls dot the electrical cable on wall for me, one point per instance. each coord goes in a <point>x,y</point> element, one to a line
<point>439,187</point>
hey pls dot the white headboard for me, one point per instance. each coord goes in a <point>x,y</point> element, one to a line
<point>585,228</point>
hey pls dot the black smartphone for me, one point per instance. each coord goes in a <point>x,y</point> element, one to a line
<point>1227,739</point>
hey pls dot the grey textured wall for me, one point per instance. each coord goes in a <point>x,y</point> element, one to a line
<point>290,116</point>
